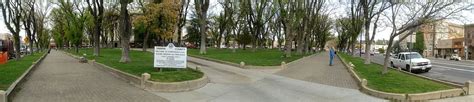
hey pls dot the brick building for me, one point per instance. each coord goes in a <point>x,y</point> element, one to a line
<point>440,38</point>
<point>469,31</point>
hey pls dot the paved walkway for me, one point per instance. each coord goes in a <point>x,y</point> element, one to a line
<point>60,78</point>
<point>316,69</point>
<point>232,84</point>
<point>469,98</point>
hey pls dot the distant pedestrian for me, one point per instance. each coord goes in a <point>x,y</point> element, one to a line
<point>331,55</point>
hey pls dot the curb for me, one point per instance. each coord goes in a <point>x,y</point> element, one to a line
<point>5,95</point>
<point>458,91</point>
<point>149,85</point>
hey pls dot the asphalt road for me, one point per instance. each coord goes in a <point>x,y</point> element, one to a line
<point>448,70</point>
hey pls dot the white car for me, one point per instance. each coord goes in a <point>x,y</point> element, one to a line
<point>411,61</point>
<point>455,57</point>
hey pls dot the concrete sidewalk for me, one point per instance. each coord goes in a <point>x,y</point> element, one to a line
<point>232,84</point>
<point>316,69</point>
<point>60,78</point>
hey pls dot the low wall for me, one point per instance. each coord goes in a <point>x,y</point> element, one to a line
<point>177,86</point>
<point>380,94</point>
<point>458,91</point>
<point>155,86</point>
<point>125,76</point>
<point>5,95</point>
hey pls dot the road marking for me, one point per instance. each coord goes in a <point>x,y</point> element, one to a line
<point>472,71</point>
<point>461,65</point>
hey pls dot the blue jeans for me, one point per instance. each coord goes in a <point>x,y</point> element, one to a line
<point>330,60</point>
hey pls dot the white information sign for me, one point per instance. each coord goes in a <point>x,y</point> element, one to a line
<point>170,56</point>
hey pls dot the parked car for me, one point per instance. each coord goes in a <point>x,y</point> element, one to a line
<point>455,57</point>
<point>411,61</point>
<point>23,50</point>
<point>7,46</point>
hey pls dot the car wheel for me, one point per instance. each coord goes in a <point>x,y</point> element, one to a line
<point>407,68</point>
<point>391,64</point>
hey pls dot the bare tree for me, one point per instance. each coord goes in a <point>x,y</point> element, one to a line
<point>369,12</point>
<point>96,8</point>
<point>201,7</point>
<point>183,12</point>
<point>11,12</point>
<point>40,19</point>
<point>28,18</point>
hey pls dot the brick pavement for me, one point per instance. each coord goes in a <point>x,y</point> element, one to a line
<point>60,78</point>
<point>316,69</point>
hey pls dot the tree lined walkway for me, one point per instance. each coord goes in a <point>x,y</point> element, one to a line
<point>316,69</point>
<point>60,78</point>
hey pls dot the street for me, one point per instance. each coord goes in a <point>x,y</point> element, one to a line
<point>443,69</point>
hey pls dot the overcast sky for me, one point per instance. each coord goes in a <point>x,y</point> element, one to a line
<point>337,10</point>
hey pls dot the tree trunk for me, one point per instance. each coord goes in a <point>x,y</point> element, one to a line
<point>179,36</point>
<point>288,41</point>
<point>300,40</point>
<point>96,40</point>
<point>125,32</point>
<point>387,56</point>
<point>16,42</point>
<point>76,48</point>
<point>203,36</point>
<point>145,41</point>
<point>367,44</point>
<point>203,33</point>
<point>219,40</point>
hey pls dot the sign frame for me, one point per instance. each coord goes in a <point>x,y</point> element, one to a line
<point>170,57</point>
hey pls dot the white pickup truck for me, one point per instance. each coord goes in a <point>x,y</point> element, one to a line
<point>410,61</point>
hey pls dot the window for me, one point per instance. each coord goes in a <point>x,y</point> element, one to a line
<point>413,55</point>
<point>402,57</point>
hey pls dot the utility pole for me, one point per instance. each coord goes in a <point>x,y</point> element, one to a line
<point>409,50</point>
<point>360,45</point>
<point>434,40</point>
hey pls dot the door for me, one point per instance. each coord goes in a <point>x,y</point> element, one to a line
<point>401,61</point>
<point>396,60</point>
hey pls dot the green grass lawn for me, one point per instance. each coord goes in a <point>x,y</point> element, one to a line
<point>261,57</point>
<point>10,72</point>
<point>141,62</point>
<point>394,81</point>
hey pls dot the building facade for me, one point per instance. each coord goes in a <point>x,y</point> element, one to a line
<point>469,37</point>
<point>452,42</point>
<point>440,38</point>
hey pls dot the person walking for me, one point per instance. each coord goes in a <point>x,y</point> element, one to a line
<point>331,55</point>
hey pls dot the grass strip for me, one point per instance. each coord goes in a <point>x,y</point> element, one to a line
<point>393,81</point>
<point>13,69</point>
<point>260,57</point>
<point>142,62</point>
